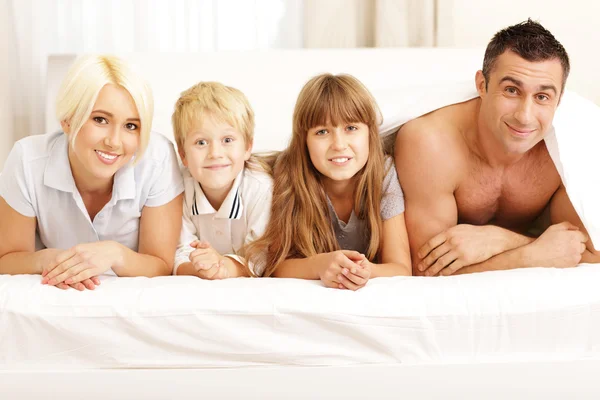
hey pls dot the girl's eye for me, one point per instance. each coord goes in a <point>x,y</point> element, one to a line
<point>201,142</point>
<point>321,132</point>
<point>352,128</point>
<point>228,140</point>
<point>131,127</point>
<point>101,120</point>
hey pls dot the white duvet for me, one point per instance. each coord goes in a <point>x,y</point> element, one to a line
<point>184,322</point>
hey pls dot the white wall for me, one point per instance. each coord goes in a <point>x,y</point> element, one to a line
<point>466,23</point>
<point>6,118</point>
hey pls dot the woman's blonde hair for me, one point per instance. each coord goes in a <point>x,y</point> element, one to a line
<point>222,103</point>
<point>300,224</point>
<point>80,88</point>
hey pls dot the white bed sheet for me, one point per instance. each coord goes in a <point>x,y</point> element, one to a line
<point>183,322</point>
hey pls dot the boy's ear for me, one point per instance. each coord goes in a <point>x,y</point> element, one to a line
<point>248,150</point>
<point>66,127</point>
<point>181,152</point>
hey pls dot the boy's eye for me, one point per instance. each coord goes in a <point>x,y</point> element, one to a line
<point>228,140</point>
<point>131,126</point>
<point>201,142</point>
<point>101,120</point>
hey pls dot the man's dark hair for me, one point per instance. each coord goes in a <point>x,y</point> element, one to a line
<point>530,41</point>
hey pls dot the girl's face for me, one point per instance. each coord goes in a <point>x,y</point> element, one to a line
<point>339,152</point>
<point>108,139</point>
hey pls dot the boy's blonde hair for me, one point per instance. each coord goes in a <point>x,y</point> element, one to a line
<point>80,88</point>
<point>213,99</point>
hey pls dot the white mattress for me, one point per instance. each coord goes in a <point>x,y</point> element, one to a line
<point>183,322</point>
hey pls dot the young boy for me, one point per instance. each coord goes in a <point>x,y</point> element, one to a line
<point>227,196</point>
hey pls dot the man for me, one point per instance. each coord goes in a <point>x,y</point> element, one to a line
<point>477,176</point>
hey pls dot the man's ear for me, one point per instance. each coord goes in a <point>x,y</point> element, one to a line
<point>480,83</point>
<point>66,127</point>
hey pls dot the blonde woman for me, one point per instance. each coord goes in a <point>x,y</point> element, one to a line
<point>338,209</point>
<point>103,196</point>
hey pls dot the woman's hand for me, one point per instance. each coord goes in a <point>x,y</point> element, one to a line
<point>48,256</point>
<point>83,262</point>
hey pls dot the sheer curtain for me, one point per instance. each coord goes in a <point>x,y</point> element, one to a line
<point>369,23</point>
<point>32,29</point>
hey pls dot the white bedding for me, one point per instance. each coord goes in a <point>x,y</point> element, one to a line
<point>183,322</point>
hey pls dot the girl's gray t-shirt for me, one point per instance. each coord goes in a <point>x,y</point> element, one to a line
<point>354,235</point>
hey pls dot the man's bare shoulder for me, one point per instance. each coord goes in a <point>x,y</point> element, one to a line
<point>433,141</point>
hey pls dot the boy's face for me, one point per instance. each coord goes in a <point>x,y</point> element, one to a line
<point>214,152</point>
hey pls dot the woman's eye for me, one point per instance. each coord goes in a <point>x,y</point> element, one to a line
<point>101,120</point>
<point>131,127</point>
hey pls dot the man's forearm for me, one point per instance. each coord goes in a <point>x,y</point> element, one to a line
<point>590,257</point>
<point>512,259</point>
<point>466,245</point>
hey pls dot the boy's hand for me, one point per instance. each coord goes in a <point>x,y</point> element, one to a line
<point>207,262</point>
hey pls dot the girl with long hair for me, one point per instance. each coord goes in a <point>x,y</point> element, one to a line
<point>338,209</point>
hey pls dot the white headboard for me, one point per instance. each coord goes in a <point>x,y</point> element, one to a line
<point>273,79</point>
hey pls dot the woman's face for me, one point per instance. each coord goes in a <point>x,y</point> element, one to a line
<point>108,139</point>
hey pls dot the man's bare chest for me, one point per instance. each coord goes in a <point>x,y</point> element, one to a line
<point>512,198</point>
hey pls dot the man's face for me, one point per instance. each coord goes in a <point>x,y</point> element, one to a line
<point>519,104</point>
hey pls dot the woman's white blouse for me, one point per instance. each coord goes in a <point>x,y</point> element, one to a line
<point>37,182</point>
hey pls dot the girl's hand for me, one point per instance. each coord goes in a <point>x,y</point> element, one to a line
<point>330,266</point>
<point>83,262</point>
<point>356,277</point>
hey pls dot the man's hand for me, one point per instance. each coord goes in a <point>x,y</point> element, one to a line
<point>560,246</point>
<point>461,246</point>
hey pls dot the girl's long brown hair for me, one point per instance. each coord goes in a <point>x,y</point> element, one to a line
<point>300,224</point>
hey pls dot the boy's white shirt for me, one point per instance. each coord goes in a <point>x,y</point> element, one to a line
<point>241,219</point>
